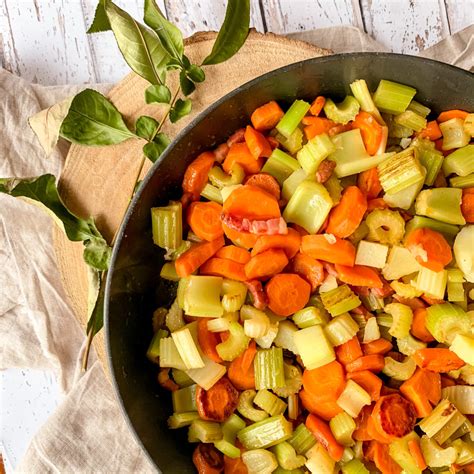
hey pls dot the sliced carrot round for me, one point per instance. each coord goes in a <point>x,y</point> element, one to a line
<point>287,293</point>
<point>309,268</point>
<point>290,243</point>
<point>204,218</point>
<point>224,268</point>
<point>245,240</point>
<point>266,264</point>
<point>252,202</point>
<point>326,409</point>
<point>234,253</point>
<point>265,181</point>
<point>208,340</point>
<point>217,403</point>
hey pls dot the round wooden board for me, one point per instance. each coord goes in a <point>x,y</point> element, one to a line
<point>98,181</point>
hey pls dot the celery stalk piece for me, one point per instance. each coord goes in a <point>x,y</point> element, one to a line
<point>169,355</point>
<point>465,452</point>
<point>461,396</point>
<point>411,120</point>
<point>393,98</point>
<point>259,461</point>
<point>355,466</point>
<point>212,193</point>
<point>362,94</point>
<point>371,254</point>
<point>408,345</point>
<point>208,375</point>
<point>360,233</point>
<point>280,165</point>
<point>310,316</point>
<point>371,331</point>
<point>445,321</point>
<point>402,317</point>
<point>293,381</point>
<point>257,324</point>
<point>181,378</point>
<point>153,352</point>
<point>443,204</point>
<point>168,272</point>
<point>184,399</point>
<point>219,178</point>
<point>284,337</point>
<point>351,156</point>
<point>469,124</point>
<point>235,344</point>
<point>233,295</point>
<point>463,347</point>
<point>405,290</point>
<point>202,296</point>
<point>432,283</point>
<point>314,152</point>
<point>309,206</point>
<point>340,300</point>
<point>343,112</point>
<point>231,427</point>
<point>204,432</point>
<point>166,225</point>
<point>187,349</point>
<point>329,283</point>
<point>400,453</point>
<point>293,143</point>
<point>463,252</point>
<point>266,433</point>
<point>430,158</point>
<point>460,162</point>
<point>287,457</point>
<point>302,439</point>
<point>342,427</point>
<point>418,108</point>
<point>288,123</point>
<point>456,292</point>
<point>226,191</point>
<point>180,420</point>
<point>341,329</point>
<point>454,135</point>
<point>174,317</point>
<point>405,198</point>
<point>319,461</point>
<point>333,185</point>
<point>309,339</point>
<point>269,371</point>
<point>269,402</point>
<point>293,407</point>
<point>246,408</point>
<point>396,130</point>
<point>399,370</point>
<point>266,341</point>
<point>227,448</point>
<point>449,231</point>
<point>462,181</point>
<point>434,455</point>
<point>353,398</point>
<point>292,182</point>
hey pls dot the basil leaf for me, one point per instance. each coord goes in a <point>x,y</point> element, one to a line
<point>100,22</point>
<point>93,120</point>
<point>233,32</point>
<point>187,86</point>
<point>146,127</point>
<point>195,73</point>
<point>157,93</point>
<point>141,49</point>
<point>96,312</point>
<point>97,253</point>
<point>169,34</point>
<point>154,149</point>
<point>180,109</point>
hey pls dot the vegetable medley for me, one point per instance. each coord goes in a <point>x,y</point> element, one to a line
<point>324,313</point>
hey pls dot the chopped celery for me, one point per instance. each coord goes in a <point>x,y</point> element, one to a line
<point>400,452</point>
<point>411,120</point>
<point>463,347</point>
<point>234,294</point>
<point>402,317</point>
<point>280,470</point>
<point>219,178</point>
<point>418,108</point>
<point>396,130</point>
<point>168,272</point>
<point>399,370</point>
<point>293,407</point>
<point>329,283</point>
<point>462,181</point>
<point>266,433</point>
<point>461,396</point>
<point>174,317</point>
<point>269,371</point>
<point>448,230</point>
<point>287,457</point>
<point>446,320</point>
<point>455,275</point>
<point>465,452</point>
<point>443,204</point>
<point>362,94</point>
<point>208,375</point>
<point>302,439</point>
<point>204,432</point>
<point>294,142</point>
<point>393,98</point>
<point>246,409</point>
<point>463,252</point>
<point>341,329</point>
<point>310,316</point>
<point>293,381</point>
<point>226,191</point>
<point>235,344</point>
<point>284,337</point>
<point>408,345</point>
<point>269,402</point>
<point>455,292</point>
<point>372,302</point>
<point>340,300</point>
<point>454,135</point>
<point>385,226</point>
<point>355,466</point>
<point>231,427</point>
<point>469,124</point>
<point>266,341</point>
<point>333,185</point>
<point>460,162</point>
<point>292,182</point>
<point>405,198</point>
<point>280,165</point>
<point>371,254</point>
<point>181,378</point>
<point>180,420</point>
<point>187,348</point>
<point>212,193</point>
<point>432,283</point>
<point>343,112</point>
<point>309,206</point>
<point>166,225</point>
<point>342,427</point>
<point>259,461</point>
<point>218,324</point>
<point>256,322</point>
<point>314,152</point>
<point>202,296</point>
<point>288,123</point>
<point>431,158</point>
<point>309,338</point>
<point>360,233</point>
<point>434,455</point>
<point>153,352</point>
<point>227,448</point>
<point>371,331</point>
<point>184,399</point>
<point>353,398</point>
<point>405,290</point>
<point>319,461</point>
<point>169,355</point>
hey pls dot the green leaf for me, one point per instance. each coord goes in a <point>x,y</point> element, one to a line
<point>97,253</point>
<point>233,32</point>
<point>169,34</point>
<point>93,120</point>
<point>158,93</point>
<point>96,304</point>
<point>100,22</point>
<point>140,47</point>
<point>195,73</point>
<point>154,149</point>
<point>187,86</point>
<point>180,109</point>
<point>146,127</point>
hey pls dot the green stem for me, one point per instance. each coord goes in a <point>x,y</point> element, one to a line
<point>165,116</point>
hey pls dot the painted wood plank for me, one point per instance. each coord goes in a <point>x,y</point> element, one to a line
<point>460,14</point>
<point>289,16</point>
<point>406,26</point>
<point>204,15</point>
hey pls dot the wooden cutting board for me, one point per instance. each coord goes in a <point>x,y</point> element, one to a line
<point>98,181</point>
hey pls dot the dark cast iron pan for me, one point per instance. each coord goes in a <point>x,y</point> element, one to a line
<point>134,288</point>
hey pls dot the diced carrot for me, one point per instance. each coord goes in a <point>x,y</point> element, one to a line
<point>326,409</point>
<point>287,293</point>
<point>418,326</point>
<point>349,351</point>
<point>379,346</point>
<point>316,126</point>
<point>417,454</point>
<point>217,403</point>
<point>450,114</point>
<point>207,459</point>
<point>208,340</point>
<point>368,381</point>
<point>266,264</point>
<point>224,268</point>
<point>330,249</point>
<point>369,183</point>
<point>245,240</point>
<point>378,203</point>
<point>234,465</point>
<point>241,370</point>
<point>431,131</point>
<point>361,432</point>
<point>266,116</point>
<point>374,363</point>
<point>195,177</point>
<point>204,218</point>
<point>239,153</point>
<point>290,243</point>
<point>308,268</point>
<point>467,205</point>
<point>234,253</point>
<point>317,105</point>
<point>437,359</point>
<point>359,275</point>
<point>382,459</point>
<point>423,388</point>
<point>326,382</point>
<point>339,128</point>
<point>257,143</point>
<point>265,181</point>
<point>194,257</point>
<point>375,434</point>
<point>323,434</point>
<point>371,131</point>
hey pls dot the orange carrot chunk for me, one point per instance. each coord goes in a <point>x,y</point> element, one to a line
<point>329,249</point>
<point>217,403</point>
<point>309,268</point>
<point>188,262</point>
<point>450,114</point>
<point>379,454</point>
<point>195,177</point>
<point>326,409</point>
<point>316,126</point>
<point>374,363</point>
<point>234,253</point>
<point>317,105</point>
<point>207,459</point>
<point>418,326</point>
<point>417,454</point>
<point>359,275</point>
<point>349,351</point>
<point>326,382</point>
<point>290,243</point>
<point>287,293</point>
<point>437,359</point>
<point>267,116</point>
<point>371,131</point>
<point>431,131</point>
<point>368,381</point>
<point>208,340</point>
<point>257,143</point>
<point>369,183</point>
<point>265,181</point>
<point>467,205</point>
<point>323,434</point>
<point>245,240</point>
<point>204,218</point>
<point>241,370</point>
<point>239,153</point>
<point>379,346</point>
<point>266,264</point>
<point>224,268</point>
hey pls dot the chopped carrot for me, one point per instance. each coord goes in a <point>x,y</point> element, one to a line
<point>339,128</point>
<point>224,268</point>
<point>208,340</point>
<point>265,181</point>
<point>204,218</point>
<point>165,381</point>
<point>430,248</point>
<point>368,381</point>
<point>308,268</point>
<point>361,432</point>
<point>379,346</point>
<point>257,143</point>
<point>245,240</point>
<point>375,434</point>
<point>348,214</point>
<point>469,468</point>
<point>194,257</point>
<point>467,205</point>
<point>251,202</point>
<point>329,249</point>
<point>359,275</point>
<point>431,131</point>
<point>290,243</point>
<point>317,105</point>
<point>373,362</point>
<point>380,455</point>
<point>369,183</point>
<point>323,434</point>
<point>287,293</point>
<point>418,326</point>
<point>326,409</point>
<point>417,454</point>
<point>430,300</point>
<point>207,459</point>
<point>413,303</point>
<point>316,126</point>
<point>378,203</point>
<point>234,253</point>
<point>437,359</point>
<point>349,351</point>
<point>266,116</point>
<point>217,403</point>
<point>325,382</point>
<point>266,264</point>
<point>234,465</point>
<point>241,370</point>
<point>450,114</point>
<point>371,131</point>
<point>239,153</point>
<point>274,143</point>
<point>195,177</point>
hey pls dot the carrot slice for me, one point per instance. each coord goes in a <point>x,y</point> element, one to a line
<point>423,388</point>
<point>193,258</point>
<point>323,434</point>
<point>257,143</point>
<point>316,126</point>
<point>369,183</point>
<point>418,326</point>
<point>359,275</point>
<point>195,177</point>
<point>290,243</point>
<point>379,453</point>
<point>371,131</point>
<point>417,454</point>
<point>431,131</point>
<point>251,202</point>
<point>450,114</point>
<point>266,264</point>
<point>241,370</point>
<point>287,293</point>
<point>328,249</point>
<point>204,218</point>
<point>317,105</point>
<point>234,253</point>
<point>379,346</point>
<point>349,351</point>
<point>234,465</point>
<point>224,268</point>
<point>309,268</point>
<point>207,459</point>
<point>368,381</point>
<point>326,382</point>
<point>348,214</point>
<point>326,409</point>
<point>217,403</point>
<point>265,181</point>
<point>239,153</point>
<point>361,432</point>
<point>437,359</point>
<point>467,205</point>
<point>375,434</point>
<point>266,116</point>
<point>208,340</point>
<point>241,239</point>
<point>374,363</point>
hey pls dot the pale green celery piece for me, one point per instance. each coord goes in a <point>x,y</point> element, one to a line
<point>280,165</point>
<point>235,344</point>
<point>465,452</point>
<point>362,94</point>
<point>309,206</point>
<point>418,108</point>
<point>187,348</point>
<point>257,325</point>
<point>202,296</point>
<point>360,233</point>
<point>341,329</point>
<point>461,396</point>
<point>371,330</point>
<point>371,254</point>
<point>173,254</point>
<point>227,448</point>
<point>266,341</point>
<point>233,295</point>
<point>269,402</point>
<point>292,182</point>
<point>226,191</point>
<point>430,158</point>
<point>219,178</point>
<point>302,439</point>
<point>462,181</point>
<point>310,316</point>
<point>456,292</point>
<point>169,355</point>
<point>392,97</point>
<point>293,143</point>
<point>343,112</point>
<point>463,347</point>
<point>455,275</point>
<point>182,285</point>
<point>309,338</point>
<point>181,378</point>
<point>333,185</point>
<point>384,320</point>
<point>284,337</point>
<point>351,156</point>
<point>280,470</point>
<point>340,300</point>
<point>292,118</point>
<point>400,453</point>
<point>402,317</point>
<point>266,433</point>
<point>329,283</point>
<point>259,461</point>
<point>372,302</point>
<point>293,381</point>
<point>166,225</point>
<point>231,427</point>
<point>463,252</point>
<point>443,204</point>
<point>246,409</point>
<point>460,162</point>
<point>319,461</point>
<point>408,345</point>
<point>405,290</point>
<point>204,432</point>
<point>411,120</point>
<point>269,370</point>
<point>353,398</point>
<point>469,124</point>
<point>454,135</point>
<point>208,375</point>
<point>212,193</point>
<point>314,152</point>
<point>434,455</point>
<point>355,466</point>
<point>180,420</point>
<point>153,352</point>
<point>400,171</point>
<point>287,457</point>
<point>399,370</point>
<point>174,317</point>
<point>184,399</point>
<point>432,283</point>
<point>398,131</point>
<point>449,231</point>
<point>168,272</point>
<point>342,427</point>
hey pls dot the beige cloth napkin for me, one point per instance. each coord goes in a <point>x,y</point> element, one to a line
<point>38,330</point>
